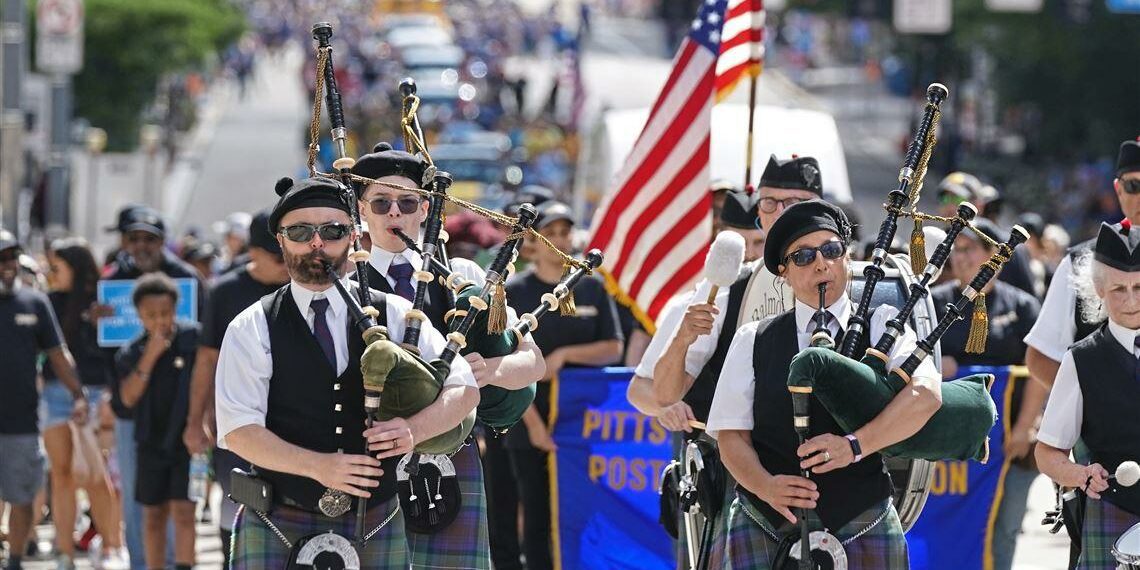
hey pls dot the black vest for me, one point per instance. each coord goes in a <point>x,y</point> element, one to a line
<point>308,403</point>
<point>700,394</point>
<point>1107,374</point>
<point>843,494</point>
<point>1083,328</point>
<point>437,302</point>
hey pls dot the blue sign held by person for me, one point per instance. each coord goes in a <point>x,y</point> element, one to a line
<point>124,325</point>
<point>1124,6</point>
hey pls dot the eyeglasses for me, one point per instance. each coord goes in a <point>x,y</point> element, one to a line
<point>303,233</point>
<point>804,256</point>
<point>768,205</point>
<point>1131,186</point>
<point>950,199</point>
<point>407,205</point>
<point>143,237</point>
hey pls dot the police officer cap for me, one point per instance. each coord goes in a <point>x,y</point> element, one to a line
<point>799,220</point>
<point>1113,249</point>
<point>383,161</point>
<point>796,173</point>
<point>961,184</point>
<point>307,193</point>
<point>740,210</point>
<point>990,229</point>
<point>260,235</point>
<point>8,240</point>
<point>1129,158</point>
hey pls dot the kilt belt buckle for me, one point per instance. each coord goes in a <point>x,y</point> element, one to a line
<point>334,503</point>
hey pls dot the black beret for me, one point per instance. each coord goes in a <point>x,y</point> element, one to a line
<point>260,236</point>
<point>1129,158</point>
<point>799,220</point>
<point>740,210</point>
<point>1113,250</point>
<point>307,193</point>
<point>9,241</point>
<point>796,173</point>
<point>383,161</point>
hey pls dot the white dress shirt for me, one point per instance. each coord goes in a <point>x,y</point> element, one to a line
<point>736,388</point>
<point>245,363</point>
<point>1064,414</point>
<point>667,322</point>
<point>1055,329</point>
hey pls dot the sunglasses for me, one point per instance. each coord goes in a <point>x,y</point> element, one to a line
<point>768,205</point>
<point>950,199</point>
<point>1131,186</point>
<point>804,256</point>
<point>303,233</point>
<point>407,205</point>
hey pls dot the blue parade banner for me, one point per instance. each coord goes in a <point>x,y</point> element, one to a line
<point>955,530</point>
<point>605,474</point>
<point>124,324</point>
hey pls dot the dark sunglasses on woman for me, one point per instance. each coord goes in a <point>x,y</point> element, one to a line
<point>303,233</point>
<point>804,256</point>
<point>407,205</point>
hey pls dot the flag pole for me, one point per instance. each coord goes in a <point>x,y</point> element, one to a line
<point>751,124</point>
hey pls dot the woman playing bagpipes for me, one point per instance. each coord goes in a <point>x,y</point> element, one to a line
<point>290,399</point>
<point>835,479</point>
<point>392,207</point>
<point>1095,395</point>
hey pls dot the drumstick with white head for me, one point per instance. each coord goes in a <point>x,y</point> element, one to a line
<point>1127,474</point>
<point>722,264</point>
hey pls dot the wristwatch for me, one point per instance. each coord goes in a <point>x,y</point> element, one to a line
<point>856,449</point>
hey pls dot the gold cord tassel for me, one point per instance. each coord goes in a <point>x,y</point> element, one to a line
<point>566,306</point>
<point>497,314</point>
<point>979,327</point>
<point>917,248</point>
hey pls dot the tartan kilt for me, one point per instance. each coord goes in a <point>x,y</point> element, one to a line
<point>255,547</point>
<point>464,543</point>
<point>1104,523</point>
<point>882,548</point>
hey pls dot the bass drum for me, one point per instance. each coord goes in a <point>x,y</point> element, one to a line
<point>768,295</point>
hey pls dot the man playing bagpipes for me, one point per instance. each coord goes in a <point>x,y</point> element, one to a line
<point>1094,400</point>
<point>388,209</point>
<point>848,492</point>
<point>290,399</point>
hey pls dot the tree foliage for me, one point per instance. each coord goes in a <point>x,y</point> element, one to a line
<point>130,44</point>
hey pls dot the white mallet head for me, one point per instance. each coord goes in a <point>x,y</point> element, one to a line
<point>1127,473</point>
<point>722,264</point>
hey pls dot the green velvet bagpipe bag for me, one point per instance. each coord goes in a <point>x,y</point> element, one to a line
<point>854,393</point>
<point>499,408</point>
<point>408,384</point>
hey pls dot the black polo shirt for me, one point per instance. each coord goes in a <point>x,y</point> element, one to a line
<point>160,413</point>
<point>597,319</point>
<point>28,328</point>
<point>1012,313</point>
<point>231,294</point>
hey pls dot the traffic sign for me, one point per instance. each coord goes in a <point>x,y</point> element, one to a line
<point>923,16</point>
<point>59,36</point>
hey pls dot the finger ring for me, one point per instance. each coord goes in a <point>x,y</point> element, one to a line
<point>826,456</point>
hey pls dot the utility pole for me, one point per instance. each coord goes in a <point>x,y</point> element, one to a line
<point>59,51</point>
<point>11,111</point>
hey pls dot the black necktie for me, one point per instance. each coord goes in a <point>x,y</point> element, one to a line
<point>402,274</point>
<point>321,329</point>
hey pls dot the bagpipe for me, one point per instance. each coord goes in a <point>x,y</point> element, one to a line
<point>855,392</point>
<point>399,383</point>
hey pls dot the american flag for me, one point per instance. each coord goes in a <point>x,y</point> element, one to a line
<point>653,226</point>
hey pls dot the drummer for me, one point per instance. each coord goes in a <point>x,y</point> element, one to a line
<point>1094,400</point>
<point>751,415</point>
